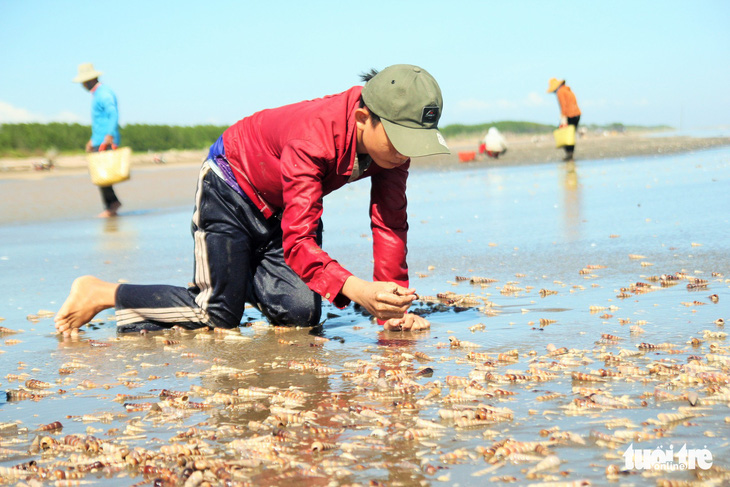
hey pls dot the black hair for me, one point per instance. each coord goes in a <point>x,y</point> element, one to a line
<point>365,77</point>
<point>368,75</point>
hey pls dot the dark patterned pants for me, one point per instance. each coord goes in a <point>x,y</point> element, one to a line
<point>238,258</point>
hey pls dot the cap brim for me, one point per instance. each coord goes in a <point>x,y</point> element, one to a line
<point>415,142</point>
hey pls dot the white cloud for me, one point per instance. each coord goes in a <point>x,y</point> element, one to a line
<point>535,100</point>
<point>505,104</point>
<point>13,114</point>
<point>473,104</point>
<point>532,100</point>
<point>598,103</point>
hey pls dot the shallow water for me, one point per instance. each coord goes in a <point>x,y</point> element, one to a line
<point>533,227</point>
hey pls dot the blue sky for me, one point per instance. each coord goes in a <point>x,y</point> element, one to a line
<point>193,62</point>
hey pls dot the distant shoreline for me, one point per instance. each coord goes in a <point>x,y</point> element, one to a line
<point>528,150</point>
<point>522,150</point>
<point>65,192</point>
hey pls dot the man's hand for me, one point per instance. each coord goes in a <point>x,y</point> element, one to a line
<point>108,142</point>
<point>384,300</point>
<point>563,121</point>
<point>89,146</point>
<point>409,322</point>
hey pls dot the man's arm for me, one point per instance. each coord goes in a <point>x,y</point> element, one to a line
<point>302,183</point>
<point>110,120</point>
<point>302,175</point>
<point>389,224</point>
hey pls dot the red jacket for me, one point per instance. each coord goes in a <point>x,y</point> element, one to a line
<point>289,158</point>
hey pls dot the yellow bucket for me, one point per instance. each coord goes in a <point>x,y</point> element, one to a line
<point>564,136</point>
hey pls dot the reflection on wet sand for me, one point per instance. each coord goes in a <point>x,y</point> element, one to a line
<point>403,339</point>
<point>571,202</point>
<point>111,225</point>
<point>117,235</point>
<point>237,389</point>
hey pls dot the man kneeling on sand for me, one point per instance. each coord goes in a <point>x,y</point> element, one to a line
<point>257,221</point>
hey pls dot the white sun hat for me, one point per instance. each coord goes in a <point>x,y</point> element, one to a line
<point>86,73</point>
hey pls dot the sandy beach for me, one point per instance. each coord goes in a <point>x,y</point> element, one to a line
<point>33,195</point>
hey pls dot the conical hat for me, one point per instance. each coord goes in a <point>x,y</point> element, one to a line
<point>554,84</point>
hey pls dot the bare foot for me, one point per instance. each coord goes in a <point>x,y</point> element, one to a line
<point>88,297</point>
<point>111,211</point>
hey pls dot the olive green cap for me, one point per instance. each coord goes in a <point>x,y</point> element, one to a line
<point>408,101</point>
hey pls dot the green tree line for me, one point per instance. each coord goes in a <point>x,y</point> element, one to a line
<point>459,130</point>
<point>24,139</point>
<point>37,138</point>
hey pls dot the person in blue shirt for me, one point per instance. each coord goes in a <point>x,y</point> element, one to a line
<point>104,127</point>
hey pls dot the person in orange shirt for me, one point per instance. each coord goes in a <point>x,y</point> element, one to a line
<point>569,111</point>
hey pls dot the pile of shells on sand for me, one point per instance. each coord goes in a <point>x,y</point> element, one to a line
<point>390,412</point>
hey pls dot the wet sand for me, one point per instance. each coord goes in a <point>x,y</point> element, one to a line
<point>65,192</point>
<point>569,349</point>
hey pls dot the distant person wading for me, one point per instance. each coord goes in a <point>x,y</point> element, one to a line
<point>104,127</point>
<point>569,111</point>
